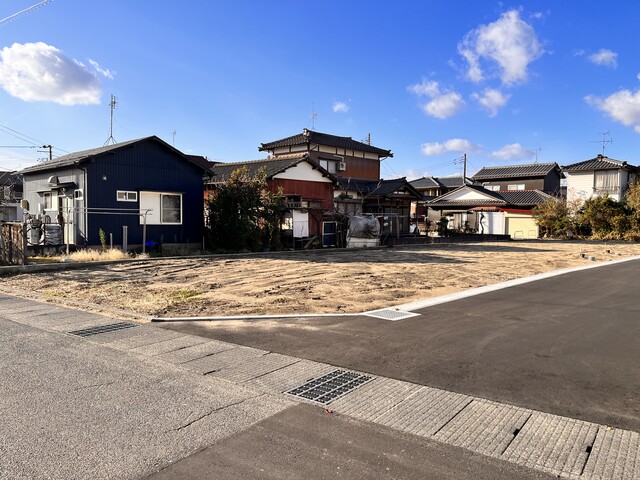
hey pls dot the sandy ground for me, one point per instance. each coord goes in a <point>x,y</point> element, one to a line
<point>321,281</point>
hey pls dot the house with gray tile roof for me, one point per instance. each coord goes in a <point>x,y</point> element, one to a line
<point>599,176</point>
<point>480,210</point>
<point>535,176</point>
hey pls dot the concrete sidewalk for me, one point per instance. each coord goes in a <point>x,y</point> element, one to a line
<point>147,361</point>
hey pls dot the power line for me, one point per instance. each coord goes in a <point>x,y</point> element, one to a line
<point>26,10</point>
<point>26,138</point>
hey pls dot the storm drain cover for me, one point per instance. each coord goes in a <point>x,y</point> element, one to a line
<point>327,388</point>
<point>390,314</point>
<point>111,327</point>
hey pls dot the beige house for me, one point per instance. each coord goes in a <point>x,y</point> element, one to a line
<point>598,176</point>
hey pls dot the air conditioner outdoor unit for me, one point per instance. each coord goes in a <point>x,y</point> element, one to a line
<point>342,166</point>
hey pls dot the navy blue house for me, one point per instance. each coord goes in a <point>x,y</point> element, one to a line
<point>133,184</point>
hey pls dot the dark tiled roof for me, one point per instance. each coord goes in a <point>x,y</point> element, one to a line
<point>376,188</point>
<point>222,171</point>
<point>309,136</point>
<point>425,182</point>
<point>515,171</point>
<point>524,197</point>
<point>519,198</point>
<point>452,181</point>
<point>599,163</point>
<point>202,162</point>
<point>84,155</point>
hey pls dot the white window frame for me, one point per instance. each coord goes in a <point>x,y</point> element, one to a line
<point>128,195</point>
<point>330,166</point>
<point>493,188</point>
<point>515,187</point>
<point>154,202</point>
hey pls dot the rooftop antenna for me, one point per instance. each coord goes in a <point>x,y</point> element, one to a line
<point>368,139</point>
<point>173,142</point>
<point>537,152</point>
<point>604,140</point>
<point>112,105</point>
<point>314,115</point>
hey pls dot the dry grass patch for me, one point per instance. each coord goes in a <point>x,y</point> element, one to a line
<point>321,281</point>
<point>90,255</point>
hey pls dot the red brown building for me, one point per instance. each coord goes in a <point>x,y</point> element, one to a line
<point>340,156</point>
<point>308,188</point>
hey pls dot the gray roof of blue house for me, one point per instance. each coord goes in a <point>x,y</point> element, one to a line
<point>599,163</point>
<point>76,158</point>
<point>308,137</point>
<point>515,171</point>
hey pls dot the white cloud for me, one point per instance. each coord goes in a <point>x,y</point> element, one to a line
<point>41,72</point>
<point>514,151</point>
<point>451,145</point>
<point>105,72</point>
<point>443,103</point>
<point>622,106</point>
<point>444,106</point>
<point>509,43</point>
<point>340,107</point>
<point>638,76</point>
<point>605,58</point>
<point>491,100</point>
<point>426,88</point>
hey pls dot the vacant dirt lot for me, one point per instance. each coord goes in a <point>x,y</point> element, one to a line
<point>322,281</point>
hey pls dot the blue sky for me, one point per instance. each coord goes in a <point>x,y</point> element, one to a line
<point>429,80</point>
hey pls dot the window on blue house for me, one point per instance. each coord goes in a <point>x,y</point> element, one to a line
<point>161,208</point>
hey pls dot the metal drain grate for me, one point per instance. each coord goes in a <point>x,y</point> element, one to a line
<point>111,327</point>
<point>327,388</point>
<point>390,314</point>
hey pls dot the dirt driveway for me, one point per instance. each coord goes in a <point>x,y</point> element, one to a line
<point>321,281</point>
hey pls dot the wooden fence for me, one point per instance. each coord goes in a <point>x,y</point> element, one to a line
<point>13,243</point>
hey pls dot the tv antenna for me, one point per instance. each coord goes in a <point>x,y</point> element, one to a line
<point>314,115</point>
<point>173,142</point>
<point>112,105</point>
<point>536,152</point>
<point>604,142</point>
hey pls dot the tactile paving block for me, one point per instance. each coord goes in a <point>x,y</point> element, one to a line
<point>255,367</point>
<point>425,412</point>
<point>375,398</point>
<point>288,377</point>
<point>228,357</point>
<point>172,345</point>
<point>554,444</point>
<point>615,454</point>
<point>485,427</point>
<point>194,352</point>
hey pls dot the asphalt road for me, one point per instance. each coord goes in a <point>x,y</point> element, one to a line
<point>566,345</point>
<point>121,405</point>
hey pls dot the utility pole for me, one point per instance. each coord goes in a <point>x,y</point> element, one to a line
<point>464,174</point>
<point>49,147</point>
